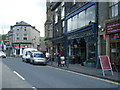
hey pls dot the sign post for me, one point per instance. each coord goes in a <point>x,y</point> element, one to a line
<point>105,64</point>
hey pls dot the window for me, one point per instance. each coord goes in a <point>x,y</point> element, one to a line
<point>25,34</point>
<point>18,38</point>
<point>63,26</point>
<point>24,38</point>
<point>74,2</point>
<point>113,8</point>
<point>81,19</point>
<point>62,10</point>
<point>56,16</point>
<point>90,14</point>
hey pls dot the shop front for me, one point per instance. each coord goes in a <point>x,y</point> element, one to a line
<point>113,40</point>
<point>58,45</point>
<point>18,49</point>
<point>82,44</point>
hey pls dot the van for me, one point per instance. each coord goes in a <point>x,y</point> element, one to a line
<point>37,57</point>
<point>26,54</point>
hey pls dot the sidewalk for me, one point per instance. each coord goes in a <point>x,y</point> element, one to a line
<point>90,71</point>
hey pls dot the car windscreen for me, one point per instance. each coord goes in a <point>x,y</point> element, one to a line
<point>38,55</point>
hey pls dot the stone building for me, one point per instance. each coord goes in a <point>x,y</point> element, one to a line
<point>109,30</point>
<point>48,28</point>
<point>86,30</point>
<point>23,35</point>
<point>74,31</point>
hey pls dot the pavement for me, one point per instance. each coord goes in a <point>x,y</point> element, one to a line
<point>88,70</point>
<point>8,79</point>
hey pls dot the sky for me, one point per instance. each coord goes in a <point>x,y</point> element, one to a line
<point>32,12</point>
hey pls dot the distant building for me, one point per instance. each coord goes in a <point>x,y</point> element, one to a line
<point>23,35</point>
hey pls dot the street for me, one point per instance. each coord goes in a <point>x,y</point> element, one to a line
<point>40,76</point>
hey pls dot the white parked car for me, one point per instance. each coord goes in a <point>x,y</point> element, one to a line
<point>26,54</point>
<point>37,58</point>
<point>2,54</point>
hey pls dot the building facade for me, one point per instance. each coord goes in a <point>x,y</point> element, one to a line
<point>109,30</point>
<point>86,30</point>
<point>48,28</point>
<point>23,35</point>
<point>74,31</point>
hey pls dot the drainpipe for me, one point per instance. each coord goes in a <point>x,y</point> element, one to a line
<point>97,18</point>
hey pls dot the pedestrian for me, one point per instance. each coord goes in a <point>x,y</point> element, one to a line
<point>58,57</point>
<point>62,60</point>
<point>47,56</point>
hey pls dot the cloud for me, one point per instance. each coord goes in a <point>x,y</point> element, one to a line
<point>30,11</point>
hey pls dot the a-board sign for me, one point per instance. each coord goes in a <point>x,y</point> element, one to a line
<point>105,63</point>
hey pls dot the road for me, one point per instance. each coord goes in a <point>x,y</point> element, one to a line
<point>39,76</point>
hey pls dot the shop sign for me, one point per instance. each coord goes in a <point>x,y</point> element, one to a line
<point>22,46</point>
<point>105,64</point>
<point>113,27</point>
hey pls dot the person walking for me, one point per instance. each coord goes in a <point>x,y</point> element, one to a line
<point>58,57</point>
<point>62,58</point>
<point>47,56</point>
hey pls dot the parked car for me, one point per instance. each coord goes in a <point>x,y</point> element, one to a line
<point>2,54</point>
<point>26,54</point>
<point>37,58</point>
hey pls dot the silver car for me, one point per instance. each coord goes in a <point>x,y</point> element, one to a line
<point>2,54</point>
<point>37,58</point>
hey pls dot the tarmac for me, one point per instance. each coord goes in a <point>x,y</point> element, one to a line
<point>88,70</point>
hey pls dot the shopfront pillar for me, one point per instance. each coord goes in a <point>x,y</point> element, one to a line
<point>108,45</point>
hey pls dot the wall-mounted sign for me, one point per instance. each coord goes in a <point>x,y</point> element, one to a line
<point>113,27</point>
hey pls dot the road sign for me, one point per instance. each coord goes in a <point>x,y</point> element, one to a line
<point>105,64</point>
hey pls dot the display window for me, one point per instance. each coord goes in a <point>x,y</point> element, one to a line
<point>115,47</point>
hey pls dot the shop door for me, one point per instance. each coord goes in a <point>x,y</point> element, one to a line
<point>83,49</point>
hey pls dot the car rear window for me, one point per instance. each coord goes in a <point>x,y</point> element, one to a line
<point>38,55</point>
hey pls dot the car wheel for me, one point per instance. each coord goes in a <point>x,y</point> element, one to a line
<point>33,62</point>
<point>23,60</point>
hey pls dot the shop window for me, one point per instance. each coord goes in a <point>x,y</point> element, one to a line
<point>91,50</point>
<point>115,46</point>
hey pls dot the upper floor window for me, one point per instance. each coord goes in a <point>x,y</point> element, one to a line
<point>81,19</point>
<point>56,15</point>
<point>18,38</point>
<point>113,8</point>
<point>62,10</point>
<point>24,38</point>
<point>25,34</point>
<point>74,2</point>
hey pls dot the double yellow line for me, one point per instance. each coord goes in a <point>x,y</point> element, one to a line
<point>109,81</point>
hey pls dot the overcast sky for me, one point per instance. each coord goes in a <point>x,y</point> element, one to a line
<point>32,12</point>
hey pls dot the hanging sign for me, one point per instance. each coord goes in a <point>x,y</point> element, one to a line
<point>105,64</point>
